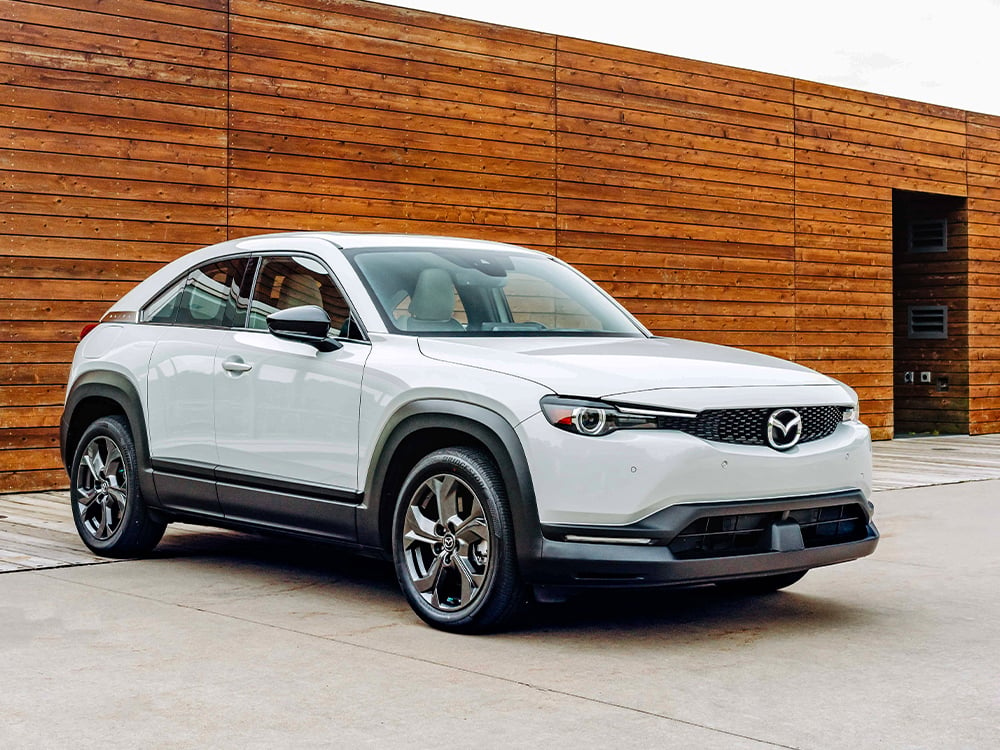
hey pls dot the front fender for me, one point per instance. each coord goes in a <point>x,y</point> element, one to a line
<point>482,425</point>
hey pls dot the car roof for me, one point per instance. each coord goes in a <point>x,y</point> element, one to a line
<point>360,240</point>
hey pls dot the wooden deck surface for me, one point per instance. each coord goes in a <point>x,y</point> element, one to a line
<point>37,531</point>
<point>923,461</point>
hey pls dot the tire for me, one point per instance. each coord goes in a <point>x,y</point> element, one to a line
<point>762,585</point>
<point>108,507</point>
<point>453,543</point>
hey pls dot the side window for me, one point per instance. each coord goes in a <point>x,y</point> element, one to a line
<point>163,308</point>
<point>285,282</point>
<point>209,296</point>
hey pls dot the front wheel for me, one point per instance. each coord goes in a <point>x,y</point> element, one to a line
<point>453,543</point>
<point>108,507</point>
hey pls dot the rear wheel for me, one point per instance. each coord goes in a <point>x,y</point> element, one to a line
<point>453,543</point>
<point>762,585</point>
<point>108,507</point>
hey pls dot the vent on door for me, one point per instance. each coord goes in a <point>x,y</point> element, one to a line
<point>928,321</point>
<point>928,236</point>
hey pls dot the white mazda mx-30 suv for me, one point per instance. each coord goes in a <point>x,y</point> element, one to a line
<point>481,414</point>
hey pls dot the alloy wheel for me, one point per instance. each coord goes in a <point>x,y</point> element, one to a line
<point>101,488</point>
<point>446,543</point>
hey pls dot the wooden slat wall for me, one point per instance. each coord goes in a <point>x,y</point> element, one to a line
<point>852,150</point>
<point>984,273</point>
<point>675,191</point>
<point>720,204</point>
<point>112,161</point>
<point>379,119</point>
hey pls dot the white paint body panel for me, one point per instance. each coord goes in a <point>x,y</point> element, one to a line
<point>294,414</point>
<point>603,367</point>
<point>398,374</point>
<point>179,407</point>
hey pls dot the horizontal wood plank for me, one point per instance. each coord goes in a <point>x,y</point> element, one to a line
<point>719,204</point>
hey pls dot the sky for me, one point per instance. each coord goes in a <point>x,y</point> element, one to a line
<point>939,52</point>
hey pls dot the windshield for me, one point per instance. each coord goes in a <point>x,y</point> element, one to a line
<point>475,292</point>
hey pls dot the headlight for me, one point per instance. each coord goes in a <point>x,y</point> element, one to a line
<point>590,420</point>
<point>593,418</point>
<point>851,413</point>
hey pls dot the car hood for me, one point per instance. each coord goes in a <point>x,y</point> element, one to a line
<point>650,371</point>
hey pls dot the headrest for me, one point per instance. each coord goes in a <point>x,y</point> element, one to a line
<point>433,297</point>
<point>299,289</point>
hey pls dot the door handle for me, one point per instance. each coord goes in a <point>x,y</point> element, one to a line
<point>236,365</point>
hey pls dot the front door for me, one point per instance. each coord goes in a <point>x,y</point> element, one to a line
<point>286,414</point>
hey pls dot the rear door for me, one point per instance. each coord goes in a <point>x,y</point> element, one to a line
<point>195,314</point>
<point>286,414</point>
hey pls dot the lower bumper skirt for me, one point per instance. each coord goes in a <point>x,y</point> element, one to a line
<point>566,564</point>
<point>702,543</point>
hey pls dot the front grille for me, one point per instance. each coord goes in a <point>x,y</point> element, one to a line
<point>723,536</point>
<point>749,426</point>
<point>750,533</point>
<point>835,524</point>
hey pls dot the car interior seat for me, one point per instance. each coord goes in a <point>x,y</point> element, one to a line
<point>432,303</point>
<point>299,289</point>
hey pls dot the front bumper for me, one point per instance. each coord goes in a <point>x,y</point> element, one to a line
<point>706,542</point>
<point>622,478</point>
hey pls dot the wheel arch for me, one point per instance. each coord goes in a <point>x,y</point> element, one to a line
<point>100,394</point>
<point>422,427</point>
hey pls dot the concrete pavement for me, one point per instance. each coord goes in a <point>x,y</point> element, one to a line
<point>232,640</point>
<point>228,640</point>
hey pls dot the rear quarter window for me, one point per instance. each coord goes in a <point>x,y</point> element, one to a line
<point>209,296</point>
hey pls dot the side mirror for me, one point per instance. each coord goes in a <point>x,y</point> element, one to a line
<point>309,324</point>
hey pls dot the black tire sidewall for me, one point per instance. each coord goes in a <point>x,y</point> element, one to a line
<point>129,532</point>
<point>493,605</point>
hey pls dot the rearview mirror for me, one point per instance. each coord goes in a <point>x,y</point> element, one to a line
<point>309,324</point>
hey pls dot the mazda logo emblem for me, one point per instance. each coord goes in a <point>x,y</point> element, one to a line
<point>784,429</point>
